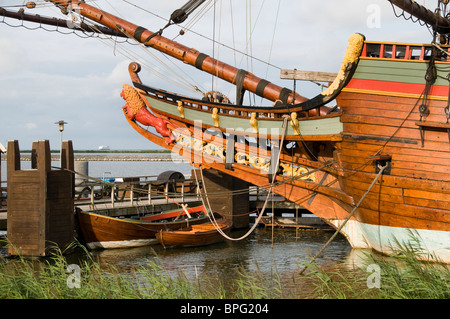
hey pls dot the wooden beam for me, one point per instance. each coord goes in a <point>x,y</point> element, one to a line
<point>307,75</point>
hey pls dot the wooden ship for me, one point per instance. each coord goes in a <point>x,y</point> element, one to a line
<point>376,167</point>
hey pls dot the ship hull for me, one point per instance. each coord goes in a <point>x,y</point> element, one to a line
<point>430,244</point>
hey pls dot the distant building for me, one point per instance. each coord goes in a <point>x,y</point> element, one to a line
<point>103,148</point>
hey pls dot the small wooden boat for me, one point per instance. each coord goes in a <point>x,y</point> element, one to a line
<point>103,232</point>
<point>194,235</point>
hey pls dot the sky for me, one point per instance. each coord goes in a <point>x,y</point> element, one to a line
<point>47,76</point>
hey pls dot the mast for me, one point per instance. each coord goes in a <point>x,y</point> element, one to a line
<point>244,80</point>
<point>438,23</point>
<point>60,23</point>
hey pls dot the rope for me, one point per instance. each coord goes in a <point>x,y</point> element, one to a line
<point>212,217</point>
<point>348,217</point>
<point>214,221</point>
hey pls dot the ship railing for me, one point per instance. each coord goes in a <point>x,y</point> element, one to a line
<point>404,51</point>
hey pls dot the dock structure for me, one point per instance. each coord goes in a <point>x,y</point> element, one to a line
<point>40,201</point>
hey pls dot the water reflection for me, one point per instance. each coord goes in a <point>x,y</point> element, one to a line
<point>254,253</point>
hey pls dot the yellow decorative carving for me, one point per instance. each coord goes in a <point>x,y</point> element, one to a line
<point>288,169</point>
<point>294,123</point>
<point>219,152</point>
<point>197,144</point>
<point>352,53</point>
<point>132,98</point>
<point>259,162</point>
<point>254,122</point>
<point>209,149</point>
<point>185,141</point>
<point>241,158</point>
<point>181,109</point>
<point>301,172</point>
<point>215,117</point>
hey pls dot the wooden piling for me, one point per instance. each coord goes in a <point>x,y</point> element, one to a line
<point>231,206</point>
<point>40,201</point>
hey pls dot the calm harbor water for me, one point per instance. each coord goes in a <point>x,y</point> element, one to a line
<point>254,253</point>
<point>281,252</point>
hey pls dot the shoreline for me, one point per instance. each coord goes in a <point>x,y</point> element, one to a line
<point>117,157</point>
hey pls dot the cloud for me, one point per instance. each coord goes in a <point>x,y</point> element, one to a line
<point>30,126</point>
<point>9,52</point>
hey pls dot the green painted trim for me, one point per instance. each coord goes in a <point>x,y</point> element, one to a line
<point>321,126</point>
<point>397,71</point>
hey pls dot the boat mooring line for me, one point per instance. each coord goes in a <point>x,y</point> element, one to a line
<point>382,168</point>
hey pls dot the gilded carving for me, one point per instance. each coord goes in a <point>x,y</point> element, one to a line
<point>261,163</point>
<point>254,122</point>
<point>301,172</point>
<point>133,99</point>
<point>136,110</point>
<point>197,144</point>
<point>215,117</point>
<point>181,109</point>
<point>294,123</point>
<point>241,158</point>
<point>352,53</point>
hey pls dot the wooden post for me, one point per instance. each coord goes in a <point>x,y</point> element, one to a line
<point>166,192</point>
<point>2,150</point>
<point>150,193</point>
<point>92,197</point>
<point>40,203</point>
<point>182,191</point>
<point>231,206</point>
<point>112,195</point>
<point>132,194</point>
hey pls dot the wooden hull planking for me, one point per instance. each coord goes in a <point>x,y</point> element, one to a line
<point>195,235</point>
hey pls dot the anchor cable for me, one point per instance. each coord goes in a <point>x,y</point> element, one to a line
<point>382,168</point>
<point>212,218</point>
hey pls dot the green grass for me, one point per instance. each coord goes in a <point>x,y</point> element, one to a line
<point>401,277</point>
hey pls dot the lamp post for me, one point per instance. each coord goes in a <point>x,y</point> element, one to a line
<point>61,129</point>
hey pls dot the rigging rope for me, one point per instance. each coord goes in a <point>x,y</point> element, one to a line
<point>212,217</point>
<point>382,168</point>
<point>201,35</point>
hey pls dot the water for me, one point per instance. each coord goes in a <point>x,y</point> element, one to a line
<point>254,253</point>
<point>120,168</point>
<point>138,168</point>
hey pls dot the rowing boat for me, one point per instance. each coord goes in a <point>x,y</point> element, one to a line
<point>195,235</point>
<point>104,232</point>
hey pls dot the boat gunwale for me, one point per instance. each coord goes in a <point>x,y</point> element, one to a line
<point>129,220</point>
<point>313,103</point>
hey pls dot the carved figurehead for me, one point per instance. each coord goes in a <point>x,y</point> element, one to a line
<point>136,110</point>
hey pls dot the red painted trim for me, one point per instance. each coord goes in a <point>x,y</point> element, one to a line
<point>398,87</point>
